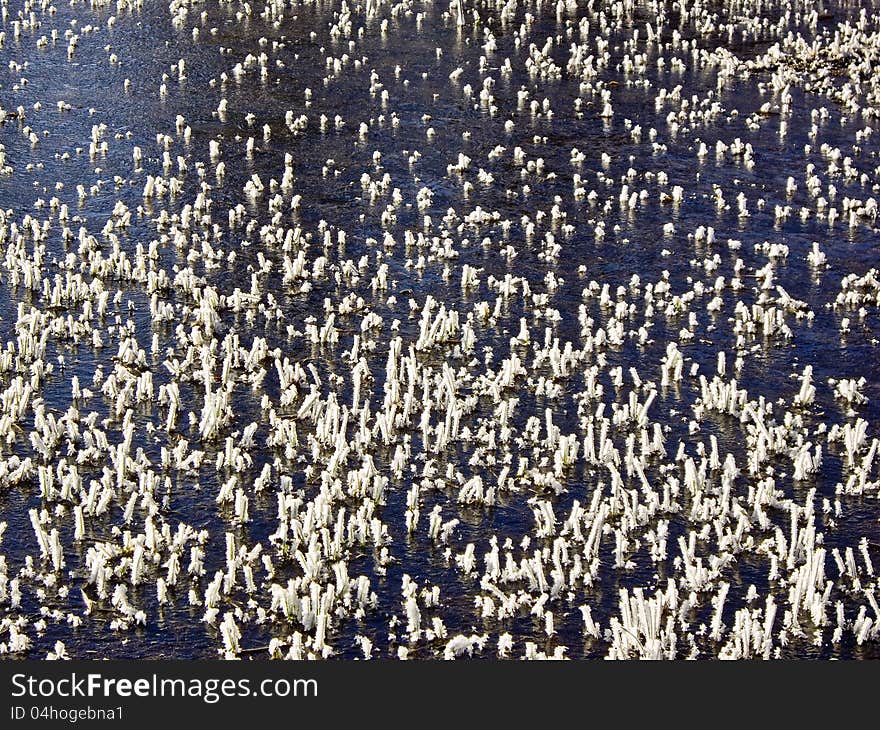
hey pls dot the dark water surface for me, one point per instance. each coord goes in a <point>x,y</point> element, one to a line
<point>328,164</point>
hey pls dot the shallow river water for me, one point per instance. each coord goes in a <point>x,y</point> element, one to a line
<point>447,185</point>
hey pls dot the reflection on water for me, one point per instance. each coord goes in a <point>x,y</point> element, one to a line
<point>481,129</point>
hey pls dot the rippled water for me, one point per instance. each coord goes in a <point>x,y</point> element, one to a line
<point>407,61</point>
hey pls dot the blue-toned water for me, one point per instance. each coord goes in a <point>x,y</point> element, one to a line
<point>399,93</point>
